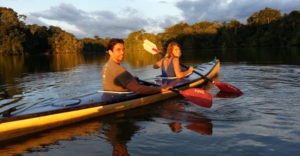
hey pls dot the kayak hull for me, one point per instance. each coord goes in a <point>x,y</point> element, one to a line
<point>90,106</point>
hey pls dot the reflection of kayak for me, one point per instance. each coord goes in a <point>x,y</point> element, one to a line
<point>22,122</point>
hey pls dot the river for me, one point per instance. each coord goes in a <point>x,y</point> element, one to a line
<point>265,120</point>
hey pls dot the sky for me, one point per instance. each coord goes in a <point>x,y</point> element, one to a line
<point>118,18</point>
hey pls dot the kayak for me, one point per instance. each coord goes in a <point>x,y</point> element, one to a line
<point>16,123</point>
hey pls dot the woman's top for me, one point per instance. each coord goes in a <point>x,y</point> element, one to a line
<point>170,72</point>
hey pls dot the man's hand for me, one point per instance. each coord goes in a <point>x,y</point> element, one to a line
<point>165,88</point>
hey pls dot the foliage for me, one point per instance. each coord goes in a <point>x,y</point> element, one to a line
<point>265,16</point>
<point>264,28</point>
<point>63,42</point>
<point>93,45</point>
<point>11,35</point>
<point>16,38</point>
<point>134,48</point>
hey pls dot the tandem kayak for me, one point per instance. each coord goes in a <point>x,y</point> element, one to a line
<point>16,123</point>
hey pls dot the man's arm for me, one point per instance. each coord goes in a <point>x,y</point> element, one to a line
<point>129,82</point>
<point>134,86</point>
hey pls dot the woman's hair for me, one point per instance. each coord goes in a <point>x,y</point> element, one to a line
<point>112,42</point>
<point>170,49</point>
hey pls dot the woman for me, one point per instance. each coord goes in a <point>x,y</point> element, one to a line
<point>170,66</point>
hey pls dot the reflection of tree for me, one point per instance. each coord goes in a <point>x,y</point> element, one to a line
<point>63,62</point>
<point>12,70</point>
<point>11,67</point>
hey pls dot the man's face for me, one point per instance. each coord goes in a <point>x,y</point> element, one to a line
<point>118,52</point>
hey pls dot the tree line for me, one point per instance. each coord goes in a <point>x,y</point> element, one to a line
<point>17,38</point>
<point>263,28</point>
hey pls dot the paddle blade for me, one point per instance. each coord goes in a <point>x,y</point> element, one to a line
<point>149,49</point>
<point>149,43</point>
<point>198,96</point>
<point>224,87</point>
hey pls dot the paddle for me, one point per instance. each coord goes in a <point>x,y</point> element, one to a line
<point>197,96</point>
<point>224,87</point>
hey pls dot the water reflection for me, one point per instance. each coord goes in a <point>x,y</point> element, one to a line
<point>18,87</point>
<point>41,140</point>
<point>116,129</point>
<point>10,67</point>
<point>119,131</point>
<point>24,79</point>
<point>221,94</point>
<point>175,111</point>
<point>14,67</point>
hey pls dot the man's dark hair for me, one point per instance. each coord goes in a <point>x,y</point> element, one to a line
<point>112,42</point>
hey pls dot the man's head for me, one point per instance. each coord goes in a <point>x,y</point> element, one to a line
<point>116,50</point>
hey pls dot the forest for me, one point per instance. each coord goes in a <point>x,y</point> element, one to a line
<point>265,28</point>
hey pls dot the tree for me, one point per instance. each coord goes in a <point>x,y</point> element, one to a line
<point>36,39</point>
<point>265,16</point>
<point>205,27</point>
<point>8,17</point>
<point>62,42</point>
<point>175,30</point>
<point>93,45</point>
<point>11,34</point>
<point>234,25</point>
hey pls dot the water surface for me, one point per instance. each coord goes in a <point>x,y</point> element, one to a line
<point>263,121</point>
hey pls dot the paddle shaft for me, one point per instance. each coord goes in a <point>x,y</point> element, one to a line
<point>195,95</point>
<point>149,83</point>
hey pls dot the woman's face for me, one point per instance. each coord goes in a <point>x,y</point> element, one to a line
<point>176,51</point>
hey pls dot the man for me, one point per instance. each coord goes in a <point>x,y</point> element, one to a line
<point>117,78</point>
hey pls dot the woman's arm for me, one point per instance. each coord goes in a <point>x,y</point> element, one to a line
<point>157,64</point>
<point>177,69</point>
